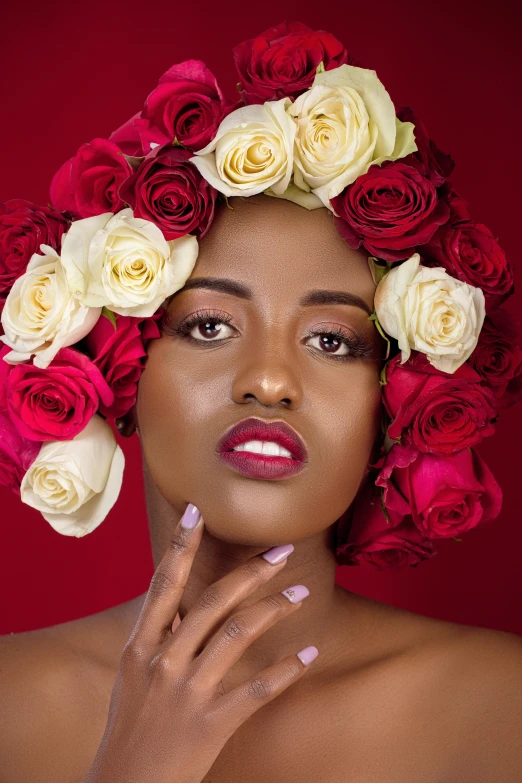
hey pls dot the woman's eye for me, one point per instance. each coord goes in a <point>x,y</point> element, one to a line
<point>330,343</point>
<point>210,330</point>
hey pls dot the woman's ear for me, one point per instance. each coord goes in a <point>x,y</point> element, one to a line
<point>127,424</point>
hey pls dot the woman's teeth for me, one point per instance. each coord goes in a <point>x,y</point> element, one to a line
<point>263,447</point>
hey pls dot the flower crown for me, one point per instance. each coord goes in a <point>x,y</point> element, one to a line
<point>82,283</point>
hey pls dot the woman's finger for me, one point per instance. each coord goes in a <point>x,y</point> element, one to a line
<point>221,598</point>
<point>239,631</point>
<point>168,582</point>
<point>247,698</point>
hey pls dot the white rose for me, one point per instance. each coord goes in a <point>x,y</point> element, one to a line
<point>75,483</point>
<point>251,151</point>
<point>345,123</point>
<point>125,263</point>
<point>41,315</point>
<point>427,310</point>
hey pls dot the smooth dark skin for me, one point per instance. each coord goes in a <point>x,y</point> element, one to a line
<point>393,697</point>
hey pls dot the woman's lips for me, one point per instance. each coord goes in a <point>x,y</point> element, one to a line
<point>264,466</point>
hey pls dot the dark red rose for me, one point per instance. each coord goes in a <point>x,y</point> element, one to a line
<point>470,252</point>
<point>283,60</point>
<point>428,159</point>
<point>390,210</point>
<point>366,537</point>
<point>120,356</point>
<point>24,226</point>
<point>56,403</point>
<point>186,107</point>
<point>16,454</point>
<point>497,357</point>
<point>445,495</point>
<point>170,191</point>
<point>88,183</point>
<point>459,207</point>
<point>437,412</point>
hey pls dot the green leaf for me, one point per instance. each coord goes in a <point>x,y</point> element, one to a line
<point>457,539</point>
<point>382,379</point>
<point>373,317</point>
<point>110,315</point>
<point>320,68</point>
<point>378,269</point>
<point>134,161</point>
<point>176,143</point>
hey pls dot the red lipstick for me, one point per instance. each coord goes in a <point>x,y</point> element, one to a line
<point>263,466</point>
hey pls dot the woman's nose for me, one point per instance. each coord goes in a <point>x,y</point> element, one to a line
<point>270,377</point>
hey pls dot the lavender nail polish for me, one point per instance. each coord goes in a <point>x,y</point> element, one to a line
<point>307,655</point>
<point>278,553</point>
<point>296,593</point>
<point>190,518</point>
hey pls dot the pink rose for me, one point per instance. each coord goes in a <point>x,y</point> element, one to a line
<point>366,537</point>
<point>437,412</point>
<point>428,159</point>
<point>390,210</point>
<point>16,454</point>
<point>470,252</point>
<point>169,191</point>
<point>24,226</point>
<point>283,61</point>
<point>119,354</point>
<point>88,183</point>
<point>498,356</point>
<point>55,403</point>
<point>445,496</point>
<point>186,107</point>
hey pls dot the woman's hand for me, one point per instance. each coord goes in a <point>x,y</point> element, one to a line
<point>169,716</point>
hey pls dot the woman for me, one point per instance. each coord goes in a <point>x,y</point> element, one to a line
<point>258,413</point>
<point>391,696</point>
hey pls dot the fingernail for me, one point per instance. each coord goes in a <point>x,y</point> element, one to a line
<point>191,517</point>
<point>296,593</point>
<point>278,553</point>
<point>307,655</point>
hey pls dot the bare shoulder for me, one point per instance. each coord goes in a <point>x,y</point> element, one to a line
<point>448,697</point>
<point>54,705</point>
<point>472,683</point>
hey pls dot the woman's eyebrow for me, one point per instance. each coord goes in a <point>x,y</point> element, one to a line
<point>311,298</point>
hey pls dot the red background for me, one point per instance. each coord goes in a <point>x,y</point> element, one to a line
<point>76,71</point>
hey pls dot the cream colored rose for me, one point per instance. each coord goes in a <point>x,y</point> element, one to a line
<point>251,151</point>
<point>427,310</point>
<point>345,123</point>
<point>75,483</point>
<point>41,315</point>
<point>125,263</point>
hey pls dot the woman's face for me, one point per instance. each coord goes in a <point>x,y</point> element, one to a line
<point>268,355</point>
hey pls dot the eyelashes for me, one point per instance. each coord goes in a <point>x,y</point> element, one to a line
<point>358,346</point>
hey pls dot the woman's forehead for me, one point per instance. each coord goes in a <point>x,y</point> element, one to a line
<point>267,241</point>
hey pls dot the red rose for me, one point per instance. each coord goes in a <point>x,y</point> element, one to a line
<point>437,412</point>
<point>428,159</point>
<point>23,228</point>
<point>16,454</point>
<point>446,496</point>
<point>470,252</point>
<point>187,106</point>
<point>498,357</point>
<point>88,183</point>
<point>170,191</point>
<point>119,355</point>
<point>127,137</point>
<point>390,210</point>
<point>366,537</point>
<point>283,60</point>
<point>58,402</point>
